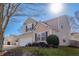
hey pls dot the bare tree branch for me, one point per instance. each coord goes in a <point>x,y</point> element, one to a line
<point>10,11</point>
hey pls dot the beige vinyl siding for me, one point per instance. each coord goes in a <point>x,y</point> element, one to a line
<point>26,35</point>
<point>62,33</point>
<point>10,39</point>
<point>40,27</point>
<point>75,36</point>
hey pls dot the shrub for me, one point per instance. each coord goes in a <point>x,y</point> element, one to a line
<point>42,44</point>
<point>34,44</point>
<point>29,45</point>
<point>53,40</point>
<point>26,45</point>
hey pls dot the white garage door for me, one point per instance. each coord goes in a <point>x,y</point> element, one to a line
<point>24,42</point>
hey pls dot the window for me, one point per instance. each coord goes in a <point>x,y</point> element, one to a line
<point>35,36</point>
<point>64,40</point>
<point>46,34</point>
<point>38,37</point>
<point>61,26</point>
<point>41,36</point>
<point>16,40</point>
<point>29,27</point>
<point>26,28</point>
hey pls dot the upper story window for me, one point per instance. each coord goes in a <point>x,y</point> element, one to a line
<point>29,27</point>
<point>61,26</point>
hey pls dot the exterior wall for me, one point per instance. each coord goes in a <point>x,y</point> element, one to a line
<point>28,36</point>
<point>50,32</point>
<point>28,21</point>
<point>62,33</point>
<point>41,29</point>
<point>25,39</point>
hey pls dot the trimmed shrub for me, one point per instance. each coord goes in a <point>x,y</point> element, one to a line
<point>53,41</point>
<point>34,44</point>
<point>29,45</point>
<point>42,44</point>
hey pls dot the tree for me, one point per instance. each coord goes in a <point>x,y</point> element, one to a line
<point>11,9</point>
<point>77,15</point>
<point>74,21</point>
<point>53,40</point>
<point>6,12</point>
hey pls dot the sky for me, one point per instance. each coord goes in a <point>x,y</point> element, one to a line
<point>40,12</point>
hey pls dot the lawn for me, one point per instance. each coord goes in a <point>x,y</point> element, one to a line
<point>63,51</point>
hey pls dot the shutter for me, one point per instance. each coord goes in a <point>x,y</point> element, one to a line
<point>46,34</point>
<point>32,26</point>
<point>35,36</point>
<point>26,28</point>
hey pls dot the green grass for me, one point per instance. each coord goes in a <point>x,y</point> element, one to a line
<point>64,51</point>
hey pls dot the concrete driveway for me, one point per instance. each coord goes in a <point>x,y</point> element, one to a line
<point>8,47</point>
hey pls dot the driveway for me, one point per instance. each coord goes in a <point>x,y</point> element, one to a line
<point>8,47</point>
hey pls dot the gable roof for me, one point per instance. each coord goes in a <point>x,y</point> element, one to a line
<point>29,19</point>
<point>56,18</point>
<point>73,33</point>
<point>42,23</point>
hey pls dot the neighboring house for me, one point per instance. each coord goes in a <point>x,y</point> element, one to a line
<point>75,36</point>
<point>11,40</point>
<point>34,31</point>
<point>74,39</point>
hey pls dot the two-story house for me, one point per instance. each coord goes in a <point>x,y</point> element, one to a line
<point>34,31</point>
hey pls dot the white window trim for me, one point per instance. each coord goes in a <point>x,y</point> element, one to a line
<point>41,35</point>
<point>28,26</point>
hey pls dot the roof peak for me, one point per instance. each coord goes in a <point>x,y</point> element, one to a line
<point>56,18</point>
<point>29,18</point>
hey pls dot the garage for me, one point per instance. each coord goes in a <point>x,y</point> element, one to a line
<point>23,42</point>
